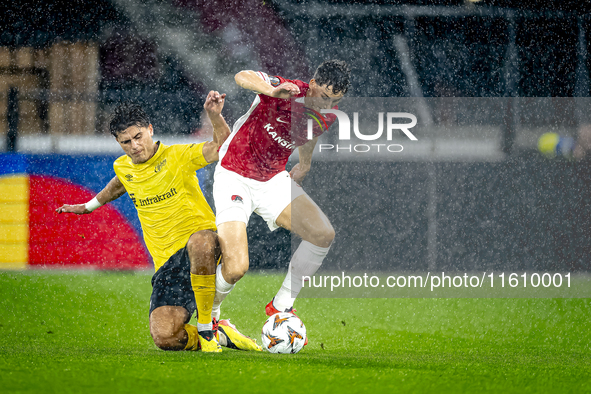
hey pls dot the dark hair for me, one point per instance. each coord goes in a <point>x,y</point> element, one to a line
<point>127,115</point>
<point>335,73</point>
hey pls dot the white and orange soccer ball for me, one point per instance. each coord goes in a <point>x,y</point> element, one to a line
<point>283,333</point>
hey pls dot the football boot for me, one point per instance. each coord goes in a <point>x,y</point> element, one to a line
<point>230,337</point>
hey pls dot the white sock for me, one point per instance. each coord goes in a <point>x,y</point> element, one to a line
<point>204,327</point>
<point>305,262</point>
<point>222,289</point>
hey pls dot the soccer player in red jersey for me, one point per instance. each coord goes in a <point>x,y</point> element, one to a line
<point>251,176</point>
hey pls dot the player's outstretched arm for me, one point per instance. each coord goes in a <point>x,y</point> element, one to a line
<point>112,191</point>
<point>214,103</point>
<point>250,80</point>
<point>300,170</point>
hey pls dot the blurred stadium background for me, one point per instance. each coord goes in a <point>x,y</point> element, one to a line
<point>491,77</point>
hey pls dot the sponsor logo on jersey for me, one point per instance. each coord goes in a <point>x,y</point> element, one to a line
<point>160,165</point>
<point>133,199</point>
<point>237,198</point>
<point>144,202</point>
<point>277,138</point>
<point>129,177</point>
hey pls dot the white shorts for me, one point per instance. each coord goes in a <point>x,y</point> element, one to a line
<point>237,197</point>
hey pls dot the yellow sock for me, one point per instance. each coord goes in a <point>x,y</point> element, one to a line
<point>193,342</point>
<point>204,289</point>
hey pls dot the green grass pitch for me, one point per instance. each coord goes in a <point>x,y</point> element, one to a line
<point>77,332</point>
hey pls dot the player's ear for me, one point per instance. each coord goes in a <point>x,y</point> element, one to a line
<point>151,130</point>
<point>313,83</point>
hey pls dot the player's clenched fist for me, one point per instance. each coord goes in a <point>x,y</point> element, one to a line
<point>214,103</point>
<point>285,90</point>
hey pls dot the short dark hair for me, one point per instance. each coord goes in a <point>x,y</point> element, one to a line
<point>127,115</point>
<point>335,73</point>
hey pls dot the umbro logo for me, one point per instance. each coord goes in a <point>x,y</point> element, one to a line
<point>237,198</point>
<point>129,177</point>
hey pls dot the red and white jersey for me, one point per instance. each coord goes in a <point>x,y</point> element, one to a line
<point>263,139</point>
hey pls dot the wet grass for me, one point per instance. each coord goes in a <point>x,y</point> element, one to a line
<point>88,332</point>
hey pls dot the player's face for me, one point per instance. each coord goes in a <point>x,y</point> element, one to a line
<point>321,96</point>
<point>137,143</point>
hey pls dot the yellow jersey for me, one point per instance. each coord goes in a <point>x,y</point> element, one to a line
<point>166,193</point>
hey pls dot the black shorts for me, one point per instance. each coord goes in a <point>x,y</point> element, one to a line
<point>171,284</point>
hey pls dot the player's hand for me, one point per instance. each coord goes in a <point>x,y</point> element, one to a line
<point>285,90</point>
<point>214,103</point>
<point>298,173</point>
<point>78,209</point>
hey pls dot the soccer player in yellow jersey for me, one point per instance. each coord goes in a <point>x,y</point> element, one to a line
<point>178,226</point>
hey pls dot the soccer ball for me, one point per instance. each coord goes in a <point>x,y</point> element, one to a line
<point>283,333</point>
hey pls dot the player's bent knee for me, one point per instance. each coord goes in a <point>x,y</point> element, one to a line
<point>235,274</point>
<point>167,327</point>
<point>167,343</point>
<point>204,241</point>
<point>329,235</point>
<point>167,339</point>
<point>324,237</point>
